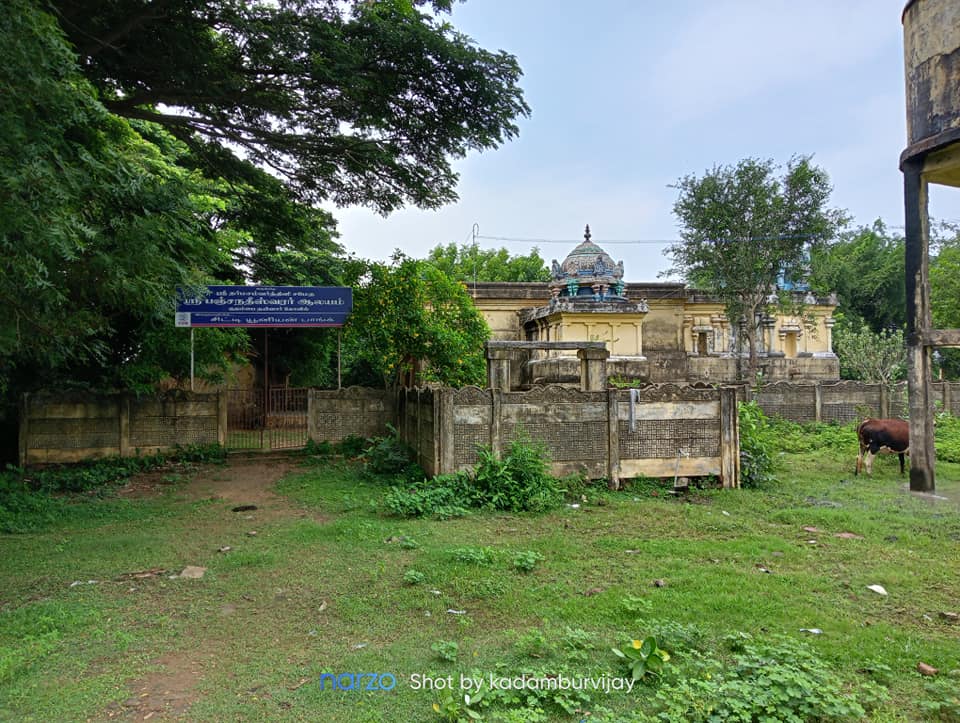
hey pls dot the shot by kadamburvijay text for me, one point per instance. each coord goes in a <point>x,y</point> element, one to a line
<point>473,684</point>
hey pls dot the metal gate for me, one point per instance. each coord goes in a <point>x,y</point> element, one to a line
<point>277,420</point>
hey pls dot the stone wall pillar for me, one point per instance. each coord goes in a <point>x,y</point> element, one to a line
<point>593,369</point>
<point>498,369</point>
<point>729,438</point>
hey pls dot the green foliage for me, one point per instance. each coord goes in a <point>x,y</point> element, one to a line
<point>98,225</point>
<point>779,679</point>
<point>471,263</point>
<point>414,577</point>
<point>519,481</point>
<point>527,560</point>
<point>480,556</point>
<point>458,707</point>
<point>941,700</point>
<point>741,226</point>
<point>947,438</point>
<point>322,449</point>
<point>31,500</point>
<point>351,446</point>
<point>442,497</point>
<point>877,357</point>
<point>357,103</point>
<point>864,267</point>
<point>411,323</point>
<point>642,657</point>
<point>389,455</point>
<point>202,157</point>
<point>446,650</point>
<point>636,606</point>
<point>794,438</point>
<point>757,444</point>
<point>533,643</point>
<point>39,628</point>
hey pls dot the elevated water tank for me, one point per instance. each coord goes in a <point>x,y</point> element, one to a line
<point>931,46</point>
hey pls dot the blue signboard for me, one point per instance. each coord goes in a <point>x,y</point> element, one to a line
<point>265,306</point>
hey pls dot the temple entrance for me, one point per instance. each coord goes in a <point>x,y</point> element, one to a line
<point>276,420</point>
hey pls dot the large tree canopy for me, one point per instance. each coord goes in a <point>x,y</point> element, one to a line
<point>97,223</point>
<point>411,321</point>
<point>741,226</point>
<point>358,102</point>
<point>470,263</point>
<point>865,269</point>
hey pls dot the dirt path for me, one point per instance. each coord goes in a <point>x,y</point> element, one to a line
<point>168,693</point>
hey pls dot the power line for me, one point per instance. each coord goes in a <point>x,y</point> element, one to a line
<point>576,241</point>
<point>605,242</point>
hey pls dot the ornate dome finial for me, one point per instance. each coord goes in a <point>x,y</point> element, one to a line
<point>588,272</point>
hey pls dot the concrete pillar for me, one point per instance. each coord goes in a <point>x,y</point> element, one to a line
<point>613,440</point>
<point>593,369</point>
<point>496,405</point>
<point>123,404</point>
<point>498,369</point>
<point>917,235</point>
<point>444,430</point>
<point>222,408</point>
<point>729,438</point>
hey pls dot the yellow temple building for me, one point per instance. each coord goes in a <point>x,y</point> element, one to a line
<point>655,332</point>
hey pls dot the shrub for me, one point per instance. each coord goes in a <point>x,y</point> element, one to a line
<point>443,497</point>
<point>351,446</point>
<point>414,577</point>
<point>527,560</point>
<point>757,443</point>
<point>446,650</point>
<point>777,680</point>
<point>390,455</point>
<point>948,438</point>
<point>318,449</point>
<point>519,481</point>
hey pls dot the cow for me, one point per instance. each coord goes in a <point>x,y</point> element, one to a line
<point>882,435</point>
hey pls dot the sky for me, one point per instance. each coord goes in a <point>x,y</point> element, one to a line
<point>628,96</point>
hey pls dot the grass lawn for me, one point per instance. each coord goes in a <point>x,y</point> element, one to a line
<point>330,584</point>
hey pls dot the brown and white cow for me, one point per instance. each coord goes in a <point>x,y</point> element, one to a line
<point>882,435</point>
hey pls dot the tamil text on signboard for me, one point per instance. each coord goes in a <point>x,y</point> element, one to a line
<point>264,306</point>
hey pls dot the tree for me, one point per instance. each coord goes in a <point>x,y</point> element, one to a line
<point>945,298</point>
<point>470,263</point>
<point>741,226</point>
<point>409,319</point>
<point>879,358</point>
<point>355,102</point>
<point>97,224</point>
<point>151,144</point>
<point>865,269</point>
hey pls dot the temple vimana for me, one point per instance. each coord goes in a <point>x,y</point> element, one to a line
<point>655,332</point>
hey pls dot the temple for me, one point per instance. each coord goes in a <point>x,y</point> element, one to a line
<point>654,332</point>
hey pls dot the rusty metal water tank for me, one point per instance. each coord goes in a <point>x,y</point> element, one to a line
<point>931,47</point>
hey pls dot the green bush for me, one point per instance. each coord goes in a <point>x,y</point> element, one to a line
<point>390,455</point>
<point>318,449</point>
<point>781,680</point>
<point>443,497</point>
<point>794,438</point>
<point>517,482</point>
<point>351,446</point>
<point>520,481</point>
<point>947,435</point>
<point>757,445</point>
